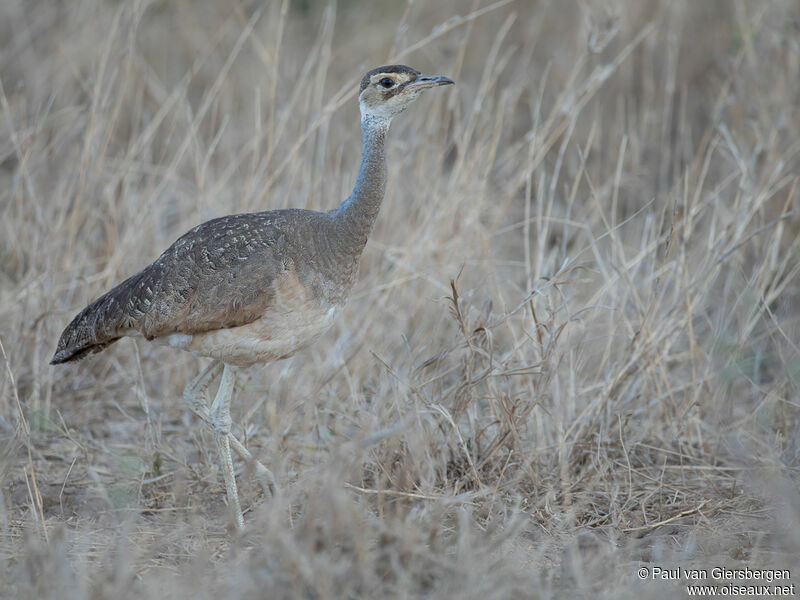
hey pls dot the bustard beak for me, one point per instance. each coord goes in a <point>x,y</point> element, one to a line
<point>423,82</point>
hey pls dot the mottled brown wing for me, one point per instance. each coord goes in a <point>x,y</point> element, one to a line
<point>220,274</point>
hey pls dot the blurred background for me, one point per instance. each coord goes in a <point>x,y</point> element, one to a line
<point>573,349</point>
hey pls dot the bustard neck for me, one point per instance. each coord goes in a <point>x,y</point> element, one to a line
<point>357,214</point>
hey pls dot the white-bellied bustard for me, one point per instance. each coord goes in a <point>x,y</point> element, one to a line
<point>253,288</point>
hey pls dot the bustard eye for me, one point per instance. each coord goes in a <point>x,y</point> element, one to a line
<point>386,82</point>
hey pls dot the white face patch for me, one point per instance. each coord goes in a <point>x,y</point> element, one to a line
<point>381,113</point>
<point>373,100</point>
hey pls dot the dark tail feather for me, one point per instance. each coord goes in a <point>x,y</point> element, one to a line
<point>98,325</point>
<point>86,334</point>
<point>73,354</point>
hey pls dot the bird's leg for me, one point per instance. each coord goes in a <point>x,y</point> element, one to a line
<point>194,395</point>
<point>220,416</point>
<point>262,472</point>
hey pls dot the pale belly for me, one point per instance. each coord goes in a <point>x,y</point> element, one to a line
<point>274,336</point>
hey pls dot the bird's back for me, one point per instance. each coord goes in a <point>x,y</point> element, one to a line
<point>226,285</point>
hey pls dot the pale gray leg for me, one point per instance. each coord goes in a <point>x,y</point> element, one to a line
<point>194,395</point>
<point>262,472</point>
<point>219,420</point>
<point>220,416</point>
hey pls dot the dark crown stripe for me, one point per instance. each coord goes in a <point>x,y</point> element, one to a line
<point>387,69</point>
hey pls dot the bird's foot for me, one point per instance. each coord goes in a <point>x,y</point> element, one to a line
<point>263,474</point>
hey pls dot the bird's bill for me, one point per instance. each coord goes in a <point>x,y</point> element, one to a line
<point>429,81</point>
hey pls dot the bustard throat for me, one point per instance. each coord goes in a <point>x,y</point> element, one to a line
<point>253,288</point>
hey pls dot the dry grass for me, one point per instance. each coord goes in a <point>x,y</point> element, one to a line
<point>573,349</point>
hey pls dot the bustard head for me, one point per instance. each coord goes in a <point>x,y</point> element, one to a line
<point>387,91</point>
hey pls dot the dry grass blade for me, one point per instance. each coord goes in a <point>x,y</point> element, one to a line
<point>572,351</point>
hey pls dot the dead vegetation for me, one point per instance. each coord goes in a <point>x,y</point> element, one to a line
<point>573,349</point>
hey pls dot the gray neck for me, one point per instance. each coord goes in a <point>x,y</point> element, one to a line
<point>357,214</point>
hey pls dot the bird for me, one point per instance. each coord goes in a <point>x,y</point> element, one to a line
<point>253,288</point>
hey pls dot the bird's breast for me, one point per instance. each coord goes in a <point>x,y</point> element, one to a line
<point>295,317</point>
<point>274,336</point>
